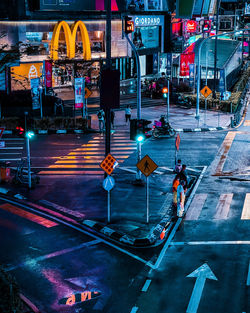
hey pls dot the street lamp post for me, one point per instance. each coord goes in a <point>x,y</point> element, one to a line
<point>137,59</point>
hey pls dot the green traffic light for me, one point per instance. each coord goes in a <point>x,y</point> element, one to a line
<point>30,134</point>
<point>165,95</point>
<point>140,138</point>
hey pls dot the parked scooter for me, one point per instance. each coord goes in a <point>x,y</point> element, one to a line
<point>184,101</point>
<point>162,129</point>
<point>21,176</point>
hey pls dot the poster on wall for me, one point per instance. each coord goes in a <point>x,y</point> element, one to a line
<point>79,92</point>
<point>35,93</point>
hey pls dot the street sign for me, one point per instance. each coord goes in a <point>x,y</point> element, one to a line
<point>2,144</point>
<point>1,131</point>
<point>206,91</point>
<point>108,183</point>
<point>226,95</point>
<point>88,93</point>
<point>147,166</point>
<point>177,142</point>
<point>109,164</point>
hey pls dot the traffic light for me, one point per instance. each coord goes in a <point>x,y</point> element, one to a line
<point>139,129</point>
<point>29,134</point>
<point>165,92</point>
<point>19,131</point>
<point>129,25</point>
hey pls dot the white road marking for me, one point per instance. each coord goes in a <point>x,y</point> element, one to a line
<point>12,148</point>
<point>196,206</point>
<point>248,276</point>
<point>246,208</point>
<point>197,243</point>
<point>223,206</point>
<point>146,285</point>
<point>134,309</point>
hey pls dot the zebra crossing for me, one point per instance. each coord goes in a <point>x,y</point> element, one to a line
<point>208,207</point>
<point>86,159</point>
<point>12,150</point>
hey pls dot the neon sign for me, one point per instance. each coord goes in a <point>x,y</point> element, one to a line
<point>70,38</point>
<point>191,26</point>
<point>80,297</point>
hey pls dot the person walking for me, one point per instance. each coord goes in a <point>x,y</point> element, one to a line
<point>184,176</point>
<point>100,116</point>
<point>180,199</point>
<point>112,117</point>
<point>178,167</point>
<point>175,185</point>
<point>127,113</point>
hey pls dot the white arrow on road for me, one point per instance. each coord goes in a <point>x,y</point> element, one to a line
<point>202,273</point>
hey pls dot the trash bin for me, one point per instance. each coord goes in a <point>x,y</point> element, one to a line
<point>4,171</point>
<point>89,121</point>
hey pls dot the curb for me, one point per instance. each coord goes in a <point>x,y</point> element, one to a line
<point>205,129</point>
<point>10,193</point>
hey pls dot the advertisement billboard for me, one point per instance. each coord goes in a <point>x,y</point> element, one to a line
<point>185,60</point>
<point>35,93</point>
<point>79,92</point>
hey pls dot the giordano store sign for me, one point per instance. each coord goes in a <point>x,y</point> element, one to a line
<point>70,38</point>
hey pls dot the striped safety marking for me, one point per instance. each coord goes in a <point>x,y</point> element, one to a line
<point>246,208</point>
<point>223,206</point>
<point>225,147</point>
<point>196,206</point>
<point>71,173</point>
<point>30,216</point>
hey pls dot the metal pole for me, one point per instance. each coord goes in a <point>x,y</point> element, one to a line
<point>108,66</point>
<point>109,206</point>
<point>147,198</point>
<point>28,160</point>
<point>41,102</point>
<point>138,67</point>
<point>205,115</point>
<point>215,47</point>
<point>168,103</point>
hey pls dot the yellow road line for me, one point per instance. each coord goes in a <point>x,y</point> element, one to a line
<point>71,173</point>
<point>74,166</point>
<point>83,161</point>
<point>247,123</point>
<point>246,208</point>
<point>225,147</point>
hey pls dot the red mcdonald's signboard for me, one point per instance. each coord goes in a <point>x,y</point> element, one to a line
<point>186,59</point>
<point>48,73</point>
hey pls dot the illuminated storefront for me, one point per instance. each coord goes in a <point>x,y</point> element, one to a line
<point>74,41</point>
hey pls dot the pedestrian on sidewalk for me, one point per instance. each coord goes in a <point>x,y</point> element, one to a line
<point>128,113</point>
<point>180,199</point>
<point>112,117</point>
<point>184,176</point>
<point>101,115</point>
<point>178,167</point>
<point>176,183</point>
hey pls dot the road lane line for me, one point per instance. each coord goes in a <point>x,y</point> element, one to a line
<point>197,243</point>
<point>248,276</point>
<point>134,309</point>
<point>83,231</point>
<point>30,216</point>
<point>146,285</point>
<point>196,206</point>
<point>32,262</point>
<point>223,206</point>
<point>224,149</point>
<point>246,208</point>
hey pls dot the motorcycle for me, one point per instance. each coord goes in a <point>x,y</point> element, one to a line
<point>159,130</point>
<point>184,101</point>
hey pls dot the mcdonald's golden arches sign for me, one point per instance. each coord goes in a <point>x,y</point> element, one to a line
<point>70,38</point>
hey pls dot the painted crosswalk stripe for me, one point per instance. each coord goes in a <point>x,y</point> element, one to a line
<point>74,166</point>
<point>71,172</point>
<point>30,216</point>
<point>98,153</point>
<point>146,285</point>
<point>246,208</point>
<point>83,161</point>
<point>223,206</point>
<point>134,309</point>
<point>196,206</point>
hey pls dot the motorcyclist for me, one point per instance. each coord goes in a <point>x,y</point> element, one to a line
<point>164,123</point>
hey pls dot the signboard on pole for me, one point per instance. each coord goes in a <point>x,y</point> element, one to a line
<point>177,142</point>
<point>147,166</point>
<point>206,91</point>
<point>169,64</point>
<point>108,183</point>
<point>109,164</point>
<point>191,75</point>
<point>88,93</point>
<point>222,81</point>
<point>48,74</point>
<point>226,95</point>
<point>35,93</point>
<point>79,92</point>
